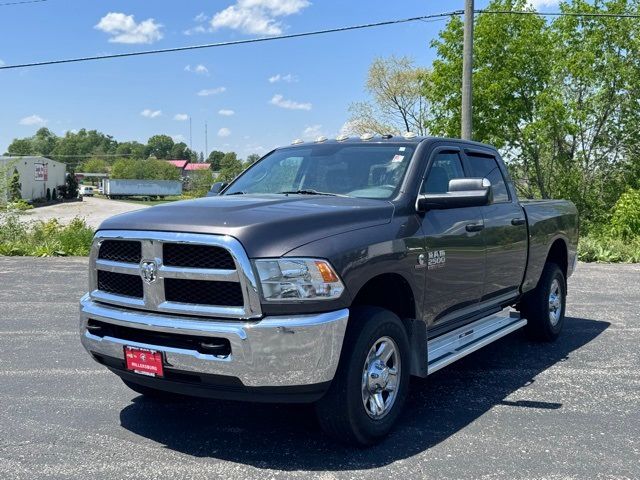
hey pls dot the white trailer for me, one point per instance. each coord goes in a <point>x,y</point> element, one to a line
<point>114,188</point>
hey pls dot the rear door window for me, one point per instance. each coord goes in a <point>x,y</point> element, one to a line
<point>486,166</point>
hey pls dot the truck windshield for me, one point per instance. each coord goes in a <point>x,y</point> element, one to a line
<point>362,170</point>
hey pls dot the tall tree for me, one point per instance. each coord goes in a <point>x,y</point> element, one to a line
<point>251,159</point>
<point>159,146</point>
<point>559,99</point>
<point>397,104</point>
<point>215,157</point>
<point>230,167</point>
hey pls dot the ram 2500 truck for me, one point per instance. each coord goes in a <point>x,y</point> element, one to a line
<point>328,272</point>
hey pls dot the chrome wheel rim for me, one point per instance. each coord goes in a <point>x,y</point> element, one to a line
<point>380,378</point>
<point>555,302</point>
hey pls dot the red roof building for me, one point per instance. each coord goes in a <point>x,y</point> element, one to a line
<point>181,164</point>
<point>197,166</point>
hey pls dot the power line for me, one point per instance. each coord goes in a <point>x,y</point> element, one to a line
<point>234,42</point>
<point>21,3</point>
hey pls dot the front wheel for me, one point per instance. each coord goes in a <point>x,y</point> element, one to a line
<point>544,307</point>
<point>370,386</point>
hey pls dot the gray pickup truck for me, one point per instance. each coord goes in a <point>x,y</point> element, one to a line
<point>328,272</point>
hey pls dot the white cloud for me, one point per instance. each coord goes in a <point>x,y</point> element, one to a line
<point>181,117</point>
<point>195,30</point>
<point>178,138</point>
<point>201,17</point>
<point>211,91</point>
<point>312,132</point>
<point>201,69</point>
<point>224,132</point>
<point>2,63</point>
<point>33,120</point>
<point>543,3</point>
<point>147,112</point>
<point>226,112</point>
<point>258,17</point>
<point>288,78</point>
<point>280,101</point>
<point>124,29</point>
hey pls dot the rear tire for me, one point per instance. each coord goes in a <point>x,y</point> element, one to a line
<point>368,392</point>
<point>544,307</point>
<point>152,393</point>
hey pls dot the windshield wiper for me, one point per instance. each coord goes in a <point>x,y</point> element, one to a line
<point>309,192</point>
<point>236,193</point>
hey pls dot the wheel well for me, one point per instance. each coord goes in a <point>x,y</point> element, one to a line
<point>558,255</point>
<point>390,291</point>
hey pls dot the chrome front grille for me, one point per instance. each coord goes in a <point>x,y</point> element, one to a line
<point>193,274</point>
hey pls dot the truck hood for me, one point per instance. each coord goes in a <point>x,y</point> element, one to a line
<point>267,225</point>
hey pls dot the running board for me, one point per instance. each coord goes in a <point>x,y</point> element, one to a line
<point>452,346</point>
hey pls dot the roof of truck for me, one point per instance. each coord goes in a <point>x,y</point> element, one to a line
<point>381,140</point>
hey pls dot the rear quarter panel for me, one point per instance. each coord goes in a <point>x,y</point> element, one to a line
<point>548,221</point>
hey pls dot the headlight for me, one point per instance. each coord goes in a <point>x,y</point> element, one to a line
<point>287,279</point>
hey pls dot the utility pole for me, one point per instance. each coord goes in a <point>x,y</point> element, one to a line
<point>467,69</point>
<point>206,142</point>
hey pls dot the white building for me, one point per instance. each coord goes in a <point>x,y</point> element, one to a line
<point>36,174</point>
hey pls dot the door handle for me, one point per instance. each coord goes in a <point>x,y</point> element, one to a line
<point>474,227</point>
<point>517,221</point>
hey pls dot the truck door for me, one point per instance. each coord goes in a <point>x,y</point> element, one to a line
<point>505,229</point>
<point>455,251</point>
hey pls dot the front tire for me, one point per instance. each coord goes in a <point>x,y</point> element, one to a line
<point>370,387</point>
<point>544,307</point>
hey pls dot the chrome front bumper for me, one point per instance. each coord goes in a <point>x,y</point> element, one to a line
<point>278,351</point>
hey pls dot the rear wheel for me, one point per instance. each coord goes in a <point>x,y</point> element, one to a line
<point>544,307</point>
<point>370,386</point>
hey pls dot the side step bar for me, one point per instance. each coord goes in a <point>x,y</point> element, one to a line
<point>452,346</point>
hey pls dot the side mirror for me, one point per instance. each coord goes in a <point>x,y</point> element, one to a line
<point>216,188</point>
<point>463,192</point>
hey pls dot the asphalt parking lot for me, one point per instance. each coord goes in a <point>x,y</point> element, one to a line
<point>514,410</point>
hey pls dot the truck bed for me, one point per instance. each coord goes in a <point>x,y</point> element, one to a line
<point>548,220</point>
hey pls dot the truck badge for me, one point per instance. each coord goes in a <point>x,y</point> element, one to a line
<point>437,259</point>
<point>148,271</point>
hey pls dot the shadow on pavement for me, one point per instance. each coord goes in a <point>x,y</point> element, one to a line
<point>287,437</point>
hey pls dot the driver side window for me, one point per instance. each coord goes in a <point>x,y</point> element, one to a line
<point>446,166</point>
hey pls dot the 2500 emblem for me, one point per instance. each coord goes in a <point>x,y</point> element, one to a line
<point>436,259</point>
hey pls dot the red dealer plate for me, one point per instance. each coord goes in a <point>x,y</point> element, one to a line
<point>144,361</point>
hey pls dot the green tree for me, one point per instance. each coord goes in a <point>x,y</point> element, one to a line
<point>251,159</point>
<point>131,149</point>
<point>397,104</point>
<point>159,146</point>
<point>180,151</point>
<point>71,185</point>
<point>230,167</point>
<point>214,159</point>
<point>200,182</point>
<point>94,165</point>
<point>149,169</point>
<point>15,187</point>
<point>558,99</point>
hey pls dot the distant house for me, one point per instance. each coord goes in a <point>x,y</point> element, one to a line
<point>37,174</point>
<point>195,167</point>
<point>181,164</point>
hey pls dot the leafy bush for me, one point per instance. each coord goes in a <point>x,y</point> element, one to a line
<point>609,249</point>
<point>625,220</point>
<point>43,239</point>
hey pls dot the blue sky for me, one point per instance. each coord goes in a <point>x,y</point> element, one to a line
<point>253,97</point>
